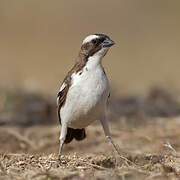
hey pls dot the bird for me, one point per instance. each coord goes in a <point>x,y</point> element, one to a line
<point>84,93</point>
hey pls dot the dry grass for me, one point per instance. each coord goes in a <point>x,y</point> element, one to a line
<point>26,166</point>
<point>152,151</point>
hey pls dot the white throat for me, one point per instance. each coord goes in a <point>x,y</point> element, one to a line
<point>96,59</point>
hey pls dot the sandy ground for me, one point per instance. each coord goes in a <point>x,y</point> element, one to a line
<point>144,128</point>
<point>151,151</point>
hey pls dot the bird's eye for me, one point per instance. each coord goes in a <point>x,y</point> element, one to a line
<point>94,41</point>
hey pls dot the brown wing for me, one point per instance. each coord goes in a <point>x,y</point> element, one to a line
<point>61,98</point>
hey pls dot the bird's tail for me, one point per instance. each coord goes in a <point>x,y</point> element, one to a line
<point>78,134</point>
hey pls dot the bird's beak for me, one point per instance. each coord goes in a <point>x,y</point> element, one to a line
<point>108,43</point>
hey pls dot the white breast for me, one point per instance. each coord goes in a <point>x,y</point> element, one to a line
<point>87,96</point>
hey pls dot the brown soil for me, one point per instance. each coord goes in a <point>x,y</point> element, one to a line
<point>145,129</point>
<point>151,152</point>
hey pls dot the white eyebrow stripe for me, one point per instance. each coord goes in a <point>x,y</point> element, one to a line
<point>90,38</point>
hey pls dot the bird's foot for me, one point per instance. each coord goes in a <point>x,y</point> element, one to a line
<point>59,163</point>
<point>126,161</point>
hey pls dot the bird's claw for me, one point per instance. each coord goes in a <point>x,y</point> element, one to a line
<point>59,162</point>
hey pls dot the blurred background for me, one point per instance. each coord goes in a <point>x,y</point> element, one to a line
<point>40,40</point>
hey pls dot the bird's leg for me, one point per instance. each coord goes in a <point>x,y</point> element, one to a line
<point>104,123</point>
<point>62,139</point>
<point>108,135</point>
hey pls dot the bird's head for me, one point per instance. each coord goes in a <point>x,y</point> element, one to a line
<point>96,45</point>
